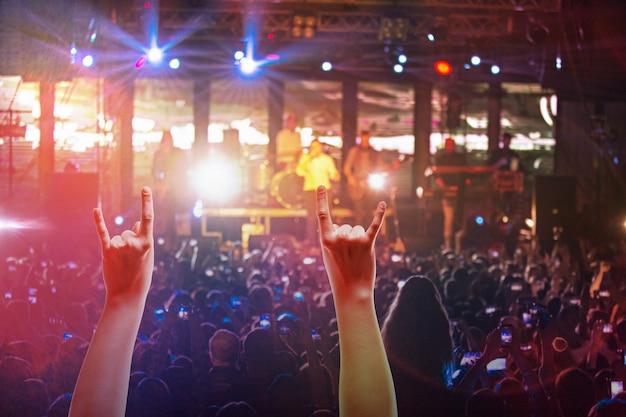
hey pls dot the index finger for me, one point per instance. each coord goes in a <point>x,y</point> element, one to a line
<point>147,212</point>
<point>101,228</point>
<point>323,212</point>
<point>377,221</point>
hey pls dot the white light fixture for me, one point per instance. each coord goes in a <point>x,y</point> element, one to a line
<point>155,55</point>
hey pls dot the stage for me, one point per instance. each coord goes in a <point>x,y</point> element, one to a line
<point>239,223</point>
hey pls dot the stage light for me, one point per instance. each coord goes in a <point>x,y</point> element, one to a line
<point>303,26</point>
<point>119,220</point>
<point>439,32</point>
<point>398,68</point>
<point>88,61</point>
<point>495,69</point>
<point>479,220</point>
<point>160,241</point>
<point>376,181</point>
<point>327,66</point>
<point>140,62</point>
<point>9,224</point>
<point>475,60</point>
<point>443,67</point>
<point>198,208</point>
<point>467,66</point>
<point>73,52</point>
<point>545,111</point>
<point>155,55</point>
<point>248,66</point>
<point>393,29</point>
<point>419,191</point>
<point>402,59</point>
<point>238,55</point>
<point>218,180</point>
<point>272,57</point>
<point>174,63</point>
<point>558,63</point>
<point>146,5</point>
<point>530,223</point>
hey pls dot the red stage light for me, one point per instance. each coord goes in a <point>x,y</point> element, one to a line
<point>443,67</point>
<point>270,36</point>
<point>146,5</point>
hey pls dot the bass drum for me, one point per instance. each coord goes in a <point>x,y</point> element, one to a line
<point>286,188</point>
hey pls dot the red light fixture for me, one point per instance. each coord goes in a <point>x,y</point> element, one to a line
<point>443,67</point>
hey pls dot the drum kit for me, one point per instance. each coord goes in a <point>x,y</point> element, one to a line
<point>282,188</point>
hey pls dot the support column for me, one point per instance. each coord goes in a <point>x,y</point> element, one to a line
<point>422,119</point>
<point>119,95</point>
<point>201,116</point>
<point>349,115</point>
<point>494,110</point>
<point>47,90</point>
<point>276,105</point>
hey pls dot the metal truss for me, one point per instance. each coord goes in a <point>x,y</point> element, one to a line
<point>224,21</point>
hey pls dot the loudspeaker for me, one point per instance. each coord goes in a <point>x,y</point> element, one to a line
<point>420,228</point>
<point>554,208</point>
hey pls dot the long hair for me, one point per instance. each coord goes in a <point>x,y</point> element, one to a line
<point>416,332</point>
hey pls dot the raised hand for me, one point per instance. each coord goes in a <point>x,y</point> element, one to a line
<point>128,259</point>
<point>365,383</point>
<point>127,265</point>
<point>348,252</point>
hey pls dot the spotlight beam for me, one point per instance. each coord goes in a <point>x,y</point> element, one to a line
<point>251,23</point>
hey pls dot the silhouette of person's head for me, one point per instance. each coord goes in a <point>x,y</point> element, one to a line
<point>574,392</point>
<point>449,145</point>
<point>237,409</point>
<point>416,331</point>
<point>224,348</point>
<point>615,407</point>
<point>151,398</point>
<point>167,140</point>
<point>506,140</point>
<point>364,138</point>
<point>485,403</point>
<point>258,353</point>
<point>515,397</point>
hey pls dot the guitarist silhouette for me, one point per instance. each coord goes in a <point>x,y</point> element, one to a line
<point>362,161</point>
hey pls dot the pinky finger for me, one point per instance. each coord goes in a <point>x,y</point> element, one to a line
<point>377,221</point>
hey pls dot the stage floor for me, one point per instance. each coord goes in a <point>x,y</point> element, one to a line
<point>239,223</point>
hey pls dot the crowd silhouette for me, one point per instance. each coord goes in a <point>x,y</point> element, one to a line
<point>276,332</point>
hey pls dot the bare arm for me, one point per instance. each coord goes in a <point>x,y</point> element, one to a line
<point>365,382</point>
<point>127,264</point>
<point>597,279</point>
